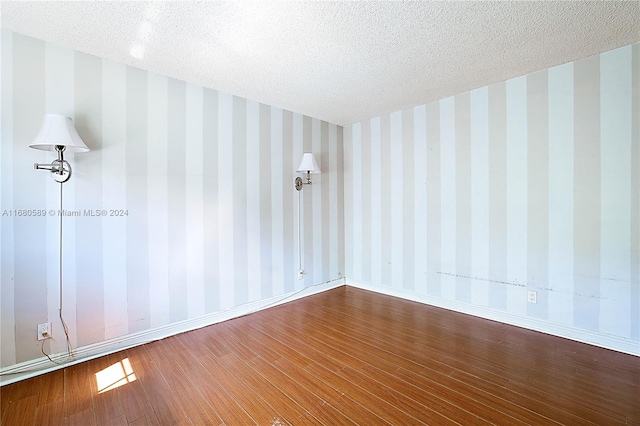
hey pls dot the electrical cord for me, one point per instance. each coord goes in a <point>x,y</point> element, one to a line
<point>64,324</point>
<point>299,251</point>
<point>289,296</point>
<point>60,287</point>
<point>47,355</point>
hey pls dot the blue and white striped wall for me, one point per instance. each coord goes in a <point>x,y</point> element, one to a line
<point>206,179</point>
<point>529,184</point>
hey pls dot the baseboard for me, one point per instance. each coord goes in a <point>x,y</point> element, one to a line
<point>585,336</point>
<point>42,365</point>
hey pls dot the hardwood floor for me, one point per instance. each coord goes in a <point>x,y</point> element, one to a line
<point>345,356</point>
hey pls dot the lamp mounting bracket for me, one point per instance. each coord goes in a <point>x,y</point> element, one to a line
<point>60,169</point>
<point>299,182</point>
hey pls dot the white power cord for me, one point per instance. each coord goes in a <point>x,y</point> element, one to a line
<point>60,256</point>
<point>299,255</point>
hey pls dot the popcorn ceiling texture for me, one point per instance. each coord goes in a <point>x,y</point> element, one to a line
<point>341,62</point>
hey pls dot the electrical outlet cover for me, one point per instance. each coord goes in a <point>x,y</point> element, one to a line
<point>44,331</point>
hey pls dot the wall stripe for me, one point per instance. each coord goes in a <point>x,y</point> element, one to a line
<point>561,166</point>
<point>463,196</point>
<point>30,305</point>
<point>194,226</point>
<point>634,308</point>
<point>300,146</point>
<point>239,173</point>
<point>114,229</point>
<point>376,201</point>
<point>177,200</point>
<point>7,289</point>
<point>586,193</point>
<point>264,239</point>
<point>420,204</point>
<point>225,200</point>
<point>302,143</point>
<point>497,196</point>
<point>88,122</point>
<point>365,194</point>
<point>290,203</point>
<point>212,290</point>
<point>334,210</point>
<point>158,199</point>
<point>448,198</point>
<point>316,230</point>
<point>538,193</point>
<point>615,187</point>
<point>356,191</point>
<point>341,242</point>
<point>277,194</point>
<point>561,206</point>
<point>138,308</point>
<point>434,223</point>
<point>348,206</point>
<point>327,173</point>
<point>253,212</point>
<point>408,213</point>
<point>397,189</point>
<point>479,128</point>
<point>516,195</point>
<point>385,200</point>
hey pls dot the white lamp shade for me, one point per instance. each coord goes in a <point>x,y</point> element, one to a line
<point>308,164</point>
<point>58,130</point>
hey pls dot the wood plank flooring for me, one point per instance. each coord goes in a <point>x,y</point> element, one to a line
<point>341,357</point>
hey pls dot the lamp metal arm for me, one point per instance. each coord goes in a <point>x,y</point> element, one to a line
<point>60,169</point>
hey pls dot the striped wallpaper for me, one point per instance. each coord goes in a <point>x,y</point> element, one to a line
<point>529,184</point>
<point>467,203</point>
<point>206,179</point>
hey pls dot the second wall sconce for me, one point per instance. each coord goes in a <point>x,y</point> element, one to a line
<point>308,165</point>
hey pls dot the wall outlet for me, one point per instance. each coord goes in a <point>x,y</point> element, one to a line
<point>532,296</point>
<point>300,274</point>
<point>44,331</point>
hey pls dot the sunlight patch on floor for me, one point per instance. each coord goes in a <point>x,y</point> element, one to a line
<point>115,375</point>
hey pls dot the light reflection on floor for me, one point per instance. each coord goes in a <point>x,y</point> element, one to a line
<point>115,376</point>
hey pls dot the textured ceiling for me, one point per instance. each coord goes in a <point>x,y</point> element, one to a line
<point>338,61</point>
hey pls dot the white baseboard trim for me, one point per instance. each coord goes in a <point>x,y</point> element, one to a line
<point>585,336</point>
<point>35,367</point>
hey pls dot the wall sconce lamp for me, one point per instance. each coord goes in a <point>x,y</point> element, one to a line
<point>309,166</point>
<point>58,134</point>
